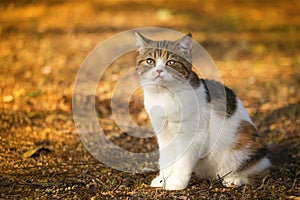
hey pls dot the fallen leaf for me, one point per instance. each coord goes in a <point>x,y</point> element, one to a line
<point>8,98</point>
<point>35,151</point>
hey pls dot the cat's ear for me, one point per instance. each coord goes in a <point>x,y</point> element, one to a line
<point>185,43</point>
<point>141,41</point>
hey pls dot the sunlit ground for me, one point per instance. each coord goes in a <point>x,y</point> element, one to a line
<point>255,45</point>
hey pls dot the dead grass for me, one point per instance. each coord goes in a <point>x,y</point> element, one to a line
<point>255,45</point>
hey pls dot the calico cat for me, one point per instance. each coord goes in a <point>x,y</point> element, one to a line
<point>200,125</point>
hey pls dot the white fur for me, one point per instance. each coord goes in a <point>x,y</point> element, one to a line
<point>192,137</point>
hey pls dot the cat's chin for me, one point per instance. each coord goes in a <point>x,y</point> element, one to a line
<point>164,80</point>
<point>157,80</point>
<point>160,80</point>
<point>164,83</point>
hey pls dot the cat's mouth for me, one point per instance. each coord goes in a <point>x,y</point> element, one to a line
<point>158,78</point>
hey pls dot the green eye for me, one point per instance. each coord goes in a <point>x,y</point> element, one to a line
<point>170,63</point>
<point>150,61</point>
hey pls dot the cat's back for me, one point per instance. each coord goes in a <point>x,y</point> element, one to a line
<point>220,98</point>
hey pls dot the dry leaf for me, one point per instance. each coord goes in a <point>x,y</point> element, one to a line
<point>35,151</point>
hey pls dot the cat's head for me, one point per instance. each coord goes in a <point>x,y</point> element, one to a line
<point>164,62</point>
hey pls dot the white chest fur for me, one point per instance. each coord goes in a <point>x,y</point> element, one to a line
<point>171,106</point>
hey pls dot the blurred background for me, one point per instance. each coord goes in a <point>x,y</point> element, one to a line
<point>255,45</point>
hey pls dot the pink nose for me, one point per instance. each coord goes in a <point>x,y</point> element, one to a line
<point>159,71</point>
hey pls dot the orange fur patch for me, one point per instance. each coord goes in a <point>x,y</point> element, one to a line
<point>247,137</point>
<point>249,140</point>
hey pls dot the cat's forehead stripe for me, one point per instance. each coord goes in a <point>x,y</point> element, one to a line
<point>151,54</point>
<point>161,53</point>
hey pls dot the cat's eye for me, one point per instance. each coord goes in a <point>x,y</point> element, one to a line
<point>150,61</point>
<point>170,63</point>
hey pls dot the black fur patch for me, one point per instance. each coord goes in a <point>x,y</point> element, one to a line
<point>215,95</point>
<point>194,80</point>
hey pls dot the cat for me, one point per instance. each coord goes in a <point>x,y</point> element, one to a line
<point>200,125</point>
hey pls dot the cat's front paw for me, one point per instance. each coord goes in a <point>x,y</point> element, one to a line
<point>158,182</point>
<point>175,186</point>
<point>169,184</point>
<point>174,183</point>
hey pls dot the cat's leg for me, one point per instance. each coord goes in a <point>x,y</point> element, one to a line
<point>166,158</point>
<point>164,171</point>
<point>186,159</point>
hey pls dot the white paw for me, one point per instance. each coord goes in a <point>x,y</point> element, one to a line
<point>174,183</point>
<point>169,183</point>
<point>158,182</point>
<point>235,181</point>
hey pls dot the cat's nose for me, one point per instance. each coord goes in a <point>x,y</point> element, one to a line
<point>159,71</point>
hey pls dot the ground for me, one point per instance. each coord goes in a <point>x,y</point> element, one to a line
<point>255,45</point>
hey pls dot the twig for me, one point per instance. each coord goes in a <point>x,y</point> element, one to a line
<point>220,179</point>
<point>262,184</point>
<point>294,183</point>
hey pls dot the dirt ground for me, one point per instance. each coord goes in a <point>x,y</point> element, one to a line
<point>255,45</point>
